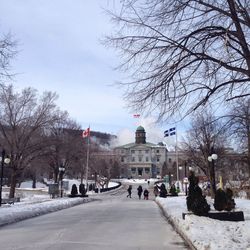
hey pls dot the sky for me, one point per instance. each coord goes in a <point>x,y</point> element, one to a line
<point>60,50</point>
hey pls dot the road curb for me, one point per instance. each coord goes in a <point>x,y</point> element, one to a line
<point>176,227</point>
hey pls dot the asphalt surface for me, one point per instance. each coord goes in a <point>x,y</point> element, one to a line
<point>112,222</point>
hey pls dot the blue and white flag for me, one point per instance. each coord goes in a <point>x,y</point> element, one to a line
<point>169,132</point>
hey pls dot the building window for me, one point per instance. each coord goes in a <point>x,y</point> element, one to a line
<point>147,170</point>
<point>169,160</point>
<point>122,159</point>
<point>133,158</point>
<point>133,170</point>
<point>140,158</point>
<point>122,151</point>
<point>132,151</point>
<point>146,159</point>
<point>146,151</point>
<point>157,151</point>
<point>158,159</point>
<point>140,171</point>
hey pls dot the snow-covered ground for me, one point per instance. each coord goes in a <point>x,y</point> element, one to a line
<point>37,201</point>
<point>204,233</point>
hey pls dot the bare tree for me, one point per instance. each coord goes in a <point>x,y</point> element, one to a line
<point>7,52</point>
<point>24,118</point>
<point>65,144</point>
<point>240,126</point>
<point>206,136</point>
<point>182,54</point>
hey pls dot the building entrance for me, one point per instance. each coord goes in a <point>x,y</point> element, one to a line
<point>140,171</point>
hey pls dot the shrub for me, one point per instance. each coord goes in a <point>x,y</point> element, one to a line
<point>196,201</point>
<point>223,200</point>
<point>82,189</point>
<point>74,191</point>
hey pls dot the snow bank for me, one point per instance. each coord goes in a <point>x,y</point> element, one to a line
<point>17,212</point>
<point>205,233</point>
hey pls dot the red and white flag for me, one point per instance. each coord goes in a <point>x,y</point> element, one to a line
<point>86,133</point>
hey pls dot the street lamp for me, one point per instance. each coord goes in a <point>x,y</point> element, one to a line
<point>61,172</point>
<point>3,160</point>
<point>211,158</point>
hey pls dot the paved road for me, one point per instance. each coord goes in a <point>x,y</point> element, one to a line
<point>111,223</point>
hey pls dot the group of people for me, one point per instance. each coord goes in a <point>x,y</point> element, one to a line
<point>162,191</point>
<point>140,191</point>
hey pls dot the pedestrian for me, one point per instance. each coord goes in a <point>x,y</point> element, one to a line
<point>129,191</point>
<point>145,193</point>
<point>163,191</point>
<point>156,190</point>
<point>139,189</point>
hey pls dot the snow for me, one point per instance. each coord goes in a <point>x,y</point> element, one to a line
<point>37,201</point>
<point>205,233</point>
<point>202,232</point>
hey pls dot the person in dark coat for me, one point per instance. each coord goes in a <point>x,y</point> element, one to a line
<point>129,191</point>
<point>145,193</point>
<point>163,191</point>
<point>156,190</point>
<point>139,189</point>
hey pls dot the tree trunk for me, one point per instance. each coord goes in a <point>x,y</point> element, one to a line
<point>248,148</point>
<point>34,182</point>
<point>55,175</point>
<point>12,184</point>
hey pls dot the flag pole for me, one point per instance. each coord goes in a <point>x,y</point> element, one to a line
<point>176,155</point>
<point>87,162</point>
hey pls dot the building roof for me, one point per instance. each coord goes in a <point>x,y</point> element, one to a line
<point>140,128</point>
<point>133,145</point>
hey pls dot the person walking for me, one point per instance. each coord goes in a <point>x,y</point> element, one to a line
<point>156,190</point>
<point>145,193</point>
<point>139,189</point>
<point>129,191</point>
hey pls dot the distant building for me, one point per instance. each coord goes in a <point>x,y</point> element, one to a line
<point>141,159</point>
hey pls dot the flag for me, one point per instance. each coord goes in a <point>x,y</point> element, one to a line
<point>136,115</point>
<point>169,132</point>
<point>86,133</point>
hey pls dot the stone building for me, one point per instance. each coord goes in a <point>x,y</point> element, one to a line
<point>141,159</point>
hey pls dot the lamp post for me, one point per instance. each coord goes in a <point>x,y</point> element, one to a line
<point>7,161</point>
<point>211,158</point>
<point>61,172</point>
<point>185,178</point>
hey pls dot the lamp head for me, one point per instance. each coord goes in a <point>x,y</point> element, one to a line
<point>214,156</point>
<point>6,160</point>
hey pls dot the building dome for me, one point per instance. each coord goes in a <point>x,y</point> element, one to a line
<point>140,128</point>
<point>140,135</point>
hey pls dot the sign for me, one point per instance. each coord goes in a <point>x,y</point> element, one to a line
<point>53,189</point>
<point>65,185</point>
<point>185,180</point>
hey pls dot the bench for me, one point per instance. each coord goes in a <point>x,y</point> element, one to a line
<point>223,215</point>
<point>10,200</point>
